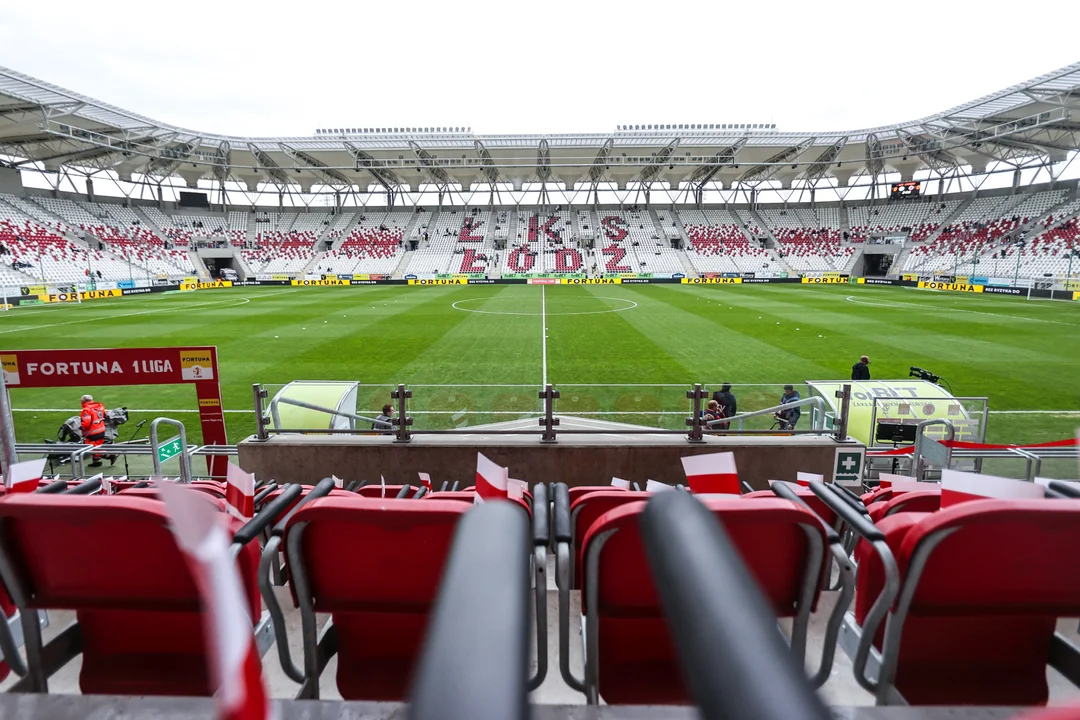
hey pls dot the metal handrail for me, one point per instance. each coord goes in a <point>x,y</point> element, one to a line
<point>185,466</point>
<point>817,421</point>
<point>274,415</point>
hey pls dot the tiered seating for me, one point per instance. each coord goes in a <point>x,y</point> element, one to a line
<point>43,254</point>
<point>974,241</point>
<point>919,219</point>
<point>545,245</point>
<point>809,240</point>
<point>718,245</point>
<point>669,223</point>
<point>457,243</point>
<point>373,247</point>
<point>627,242</point>
<point>122,230</point>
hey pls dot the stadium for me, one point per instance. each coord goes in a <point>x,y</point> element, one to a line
<point>383,324</point>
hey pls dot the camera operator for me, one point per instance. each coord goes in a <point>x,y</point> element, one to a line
<point>789,418</point>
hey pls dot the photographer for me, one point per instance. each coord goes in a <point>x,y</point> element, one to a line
<point>789,418</point>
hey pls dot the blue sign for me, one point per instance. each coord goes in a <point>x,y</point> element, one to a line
<point>125,284</point>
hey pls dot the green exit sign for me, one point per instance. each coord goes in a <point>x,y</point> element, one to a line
<point>169,449</point>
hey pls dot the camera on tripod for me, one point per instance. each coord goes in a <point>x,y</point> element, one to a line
<point>918,372</point>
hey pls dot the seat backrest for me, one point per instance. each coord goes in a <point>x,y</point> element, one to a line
<point>375,565</point>
<point>921,501</point>
<point>1012,557</point>
<point>116,553</point>
<point>637,661</point>
<point>586,509</point>
<point>376,491</point>
<point>770,534</point>
<point>805,494</point>
<point>578,490</point>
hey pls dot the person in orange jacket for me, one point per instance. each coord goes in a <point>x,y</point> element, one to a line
<point>93,425</point>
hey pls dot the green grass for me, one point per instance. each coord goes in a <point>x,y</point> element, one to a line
<point>1023,355</point>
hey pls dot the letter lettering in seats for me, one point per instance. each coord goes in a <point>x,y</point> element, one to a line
<point>567,260</point>
<point>616,253</point>
<point>520,261</point>
<point>470,230</point>
<point>469,263</point>
<point>614,228</point>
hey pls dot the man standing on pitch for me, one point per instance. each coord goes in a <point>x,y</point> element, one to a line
<point>92,420</point>
<point>861,369</point>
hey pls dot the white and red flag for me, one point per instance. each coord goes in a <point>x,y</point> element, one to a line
<point>425,480</point>
<point>712,474</point>
<point>803,479</point>
<point>490,480</point>
<point>25,476</point>
<point>657,486</point>
<point>958,487</point>
<point>620,483</point>
<point>240,492</point>
<point>338,482</point>
<point>516,488</point>
<point>382,484</point>
<point>235,670</point>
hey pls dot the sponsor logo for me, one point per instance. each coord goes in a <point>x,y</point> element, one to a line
<point>59,298</point>
<point>1004,290</point>
<point>756,280</point>
<point>209,402</point>
<point>328,281</point>
<point>365,282</point>
<point>10,364</point>
<point>137,291</point>
<point>438,281</point>
<point>954,287</point>
<point>280,277</point>
<point>196,365</point>
<point>481,281</point>
<point>206,285</point>
<point>99,294</point>
<point>825,280</point>
<point>592,281</point>
<point>712,281</point>
<point>543,281</point>
<point>875,281</point>
<point>636,280</point>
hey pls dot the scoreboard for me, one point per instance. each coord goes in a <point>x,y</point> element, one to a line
<point>910,189</point>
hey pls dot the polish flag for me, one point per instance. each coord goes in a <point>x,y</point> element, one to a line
<point>235,670</point>
<point>656,486</point>
<point>25,476</point>
<point>620,483</point>
<point>240,493</point>
<point>490,480</point>
<point>958,487</point>
<point>338,482</point>
<point>382,484</point>
<point>803,479</point>
<point>516,488</point>
<point>712,474</point>
<point>425,480</point>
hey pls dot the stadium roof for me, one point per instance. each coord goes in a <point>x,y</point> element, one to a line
<point>48,127</point>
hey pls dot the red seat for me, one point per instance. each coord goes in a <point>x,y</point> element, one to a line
<point>580,490</point>
<point>584,512</point>
<point>975,626</point>
<point>816,504</point>
<point>782,545</point>
<point>375,567</point>
<point>920,501</point>
<point>114,561</point>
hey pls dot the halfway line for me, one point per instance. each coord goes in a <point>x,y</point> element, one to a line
<point>543,333</point>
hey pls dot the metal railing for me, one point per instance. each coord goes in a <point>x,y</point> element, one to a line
<point>548,424</point>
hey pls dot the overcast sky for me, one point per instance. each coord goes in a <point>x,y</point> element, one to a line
<point>554,66</point>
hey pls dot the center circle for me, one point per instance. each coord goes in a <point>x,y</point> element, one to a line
<point>630,306</point>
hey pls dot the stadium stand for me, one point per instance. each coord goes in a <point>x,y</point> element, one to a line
<point>918,219</point>
<point>808,240</point>
<point>719,245</point>
<point>374,246</point>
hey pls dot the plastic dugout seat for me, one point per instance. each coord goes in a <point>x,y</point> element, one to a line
<point>959,606</point>
<point>114,561</point>
<point>920,501</point>
<point>820,509</point>
<point>374,566</point>
<point>629,656</point>
<point>584,511</point>
<point>579,490</point>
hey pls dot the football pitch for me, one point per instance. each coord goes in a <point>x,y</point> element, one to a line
<point>480,353</point>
